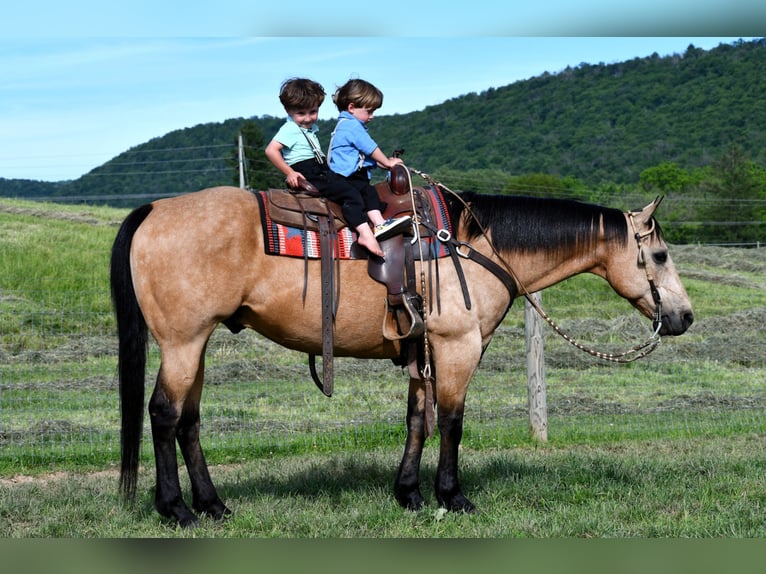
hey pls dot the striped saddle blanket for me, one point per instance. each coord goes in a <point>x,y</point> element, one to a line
<point>295,241</point>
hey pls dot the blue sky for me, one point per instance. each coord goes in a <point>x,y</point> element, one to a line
<point>84,81</point>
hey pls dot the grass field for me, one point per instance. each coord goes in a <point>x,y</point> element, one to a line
<point>678,488</point>
<point>670,446</point>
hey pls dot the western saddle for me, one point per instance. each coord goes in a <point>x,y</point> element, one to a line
<point>306,209</point>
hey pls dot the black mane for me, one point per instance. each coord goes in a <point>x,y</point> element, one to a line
<point>523,223</point>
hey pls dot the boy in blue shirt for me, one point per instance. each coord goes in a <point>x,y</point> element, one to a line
<point>353,153</point>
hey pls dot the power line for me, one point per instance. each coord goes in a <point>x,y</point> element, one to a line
<point>167,149</point>
<point>155,161</point>
<point>163,172</point>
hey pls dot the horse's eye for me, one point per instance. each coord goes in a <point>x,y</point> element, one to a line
<point>660,257</point>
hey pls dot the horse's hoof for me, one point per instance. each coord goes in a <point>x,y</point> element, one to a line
<point>415,505</point>
<point>188,522</point>
<point>412,501</point>
<point>180,513</point>
<point>458,503</point>
<point>216,510</point>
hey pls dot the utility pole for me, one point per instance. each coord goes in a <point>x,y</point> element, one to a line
<point>241,157</point>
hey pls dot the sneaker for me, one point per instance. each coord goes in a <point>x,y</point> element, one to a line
<point>392,227</point>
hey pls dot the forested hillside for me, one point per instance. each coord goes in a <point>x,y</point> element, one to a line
<point>600,122</point>
<point>679,124</point>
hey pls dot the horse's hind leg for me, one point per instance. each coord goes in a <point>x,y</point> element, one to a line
<point>174,413</point>
<point>407,485</point>
<point>204,496</point>
<point>165,415</point>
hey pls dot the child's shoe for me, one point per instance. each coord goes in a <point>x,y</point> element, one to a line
<point>391,227</point>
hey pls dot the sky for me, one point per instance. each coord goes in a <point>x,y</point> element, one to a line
<point>84,81</point>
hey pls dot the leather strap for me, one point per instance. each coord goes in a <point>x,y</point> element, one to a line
<point>461,277</point>
<point>459,249</point>
<point>328,310</point>
<point>490,266</point>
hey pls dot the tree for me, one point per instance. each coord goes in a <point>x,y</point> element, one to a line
<point>733,211</point>
<point>543,184</point>
<point>666,177</point>
<point>259,172</point>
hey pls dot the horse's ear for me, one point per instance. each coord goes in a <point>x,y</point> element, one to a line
<point>648,211</point>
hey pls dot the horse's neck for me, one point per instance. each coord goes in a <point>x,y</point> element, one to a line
<point>540,269</point>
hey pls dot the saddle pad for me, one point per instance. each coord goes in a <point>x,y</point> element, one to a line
<point>298,242</point>
<point>440,213</point>
<point>294,241</point>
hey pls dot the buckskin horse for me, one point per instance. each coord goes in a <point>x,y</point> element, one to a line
<point>182,265</point>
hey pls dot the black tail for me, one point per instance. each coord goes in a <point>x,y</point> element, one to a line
<point>132,332</point>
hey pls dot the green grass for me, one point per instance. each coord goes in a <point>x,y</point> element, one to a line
<point>698,488</point>
<point>666,446</point>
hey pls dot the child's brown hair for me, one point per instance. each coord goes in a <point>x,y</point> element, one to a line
<point>360,93</point>
<point>301,94</point>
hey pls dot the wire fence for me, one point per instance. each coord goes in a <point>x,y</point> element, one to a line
<point>59,401</point>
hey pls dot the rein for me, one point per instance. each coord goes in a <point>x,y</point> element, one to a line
<point>426,373</point>
<point>507,276</point>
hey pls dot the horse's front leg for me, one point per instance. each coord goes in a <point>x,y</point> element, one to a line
<point>454,367</point>
<point>407,485</point>
<point>447,486</point>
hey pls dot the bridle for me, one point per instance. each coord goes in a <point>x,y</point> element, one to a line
<point>507,276</point>
<point>642,262</point>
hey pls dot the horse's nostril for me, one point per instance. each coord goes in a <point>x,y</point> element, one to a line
<point>688,318</point>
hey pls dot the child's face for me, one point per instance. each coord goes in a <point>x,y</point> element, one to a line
<point>304,118</point>
<point>364,115</point>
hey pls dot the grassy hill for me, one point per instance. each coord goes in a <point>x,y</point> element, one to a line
<point>598,123</point>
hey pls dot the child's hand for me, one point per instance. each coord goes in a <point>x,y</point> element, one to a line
<point>294,179</point>
<point>390,162</point>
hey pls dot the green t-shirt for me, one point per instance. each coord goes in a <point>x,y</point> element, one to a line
<point>296,145</point>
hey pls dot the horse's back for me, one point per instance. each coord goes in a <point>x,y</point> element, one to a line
<point>215,205</point>
<point>224,210</point>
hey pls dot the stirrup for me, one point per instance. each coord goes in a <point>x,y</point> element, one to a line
<point>417,326</point>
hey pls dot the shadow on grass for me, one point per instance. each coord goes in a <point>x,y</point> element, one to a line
<point>365,474</point>
<point>312,478</point>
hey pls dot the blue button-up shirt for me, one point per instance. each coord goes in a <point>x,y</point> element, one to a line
<point>351,146</point>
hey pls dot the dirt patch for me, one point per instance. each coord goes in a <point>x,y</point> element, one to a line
<point>577,404</point>
<point>58,476</point>
<point>722,279</point>
<point>11,298</point>
<point>710,401</point>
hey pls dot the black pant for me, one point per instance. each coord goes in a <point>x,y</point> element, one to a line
<point>355,195</point>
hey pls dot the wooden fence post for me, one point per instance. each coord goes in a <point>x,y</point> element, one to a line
<point>538,405</point>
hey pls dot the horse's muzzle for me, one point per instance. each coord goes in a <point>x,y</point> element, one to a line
<point>676,323</point>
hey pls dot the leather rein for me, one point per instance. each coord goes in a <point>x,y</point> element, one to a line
<point>512,283</point>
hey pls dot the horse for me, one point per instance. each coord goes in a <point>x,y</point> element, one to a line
<point>180,266</point>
